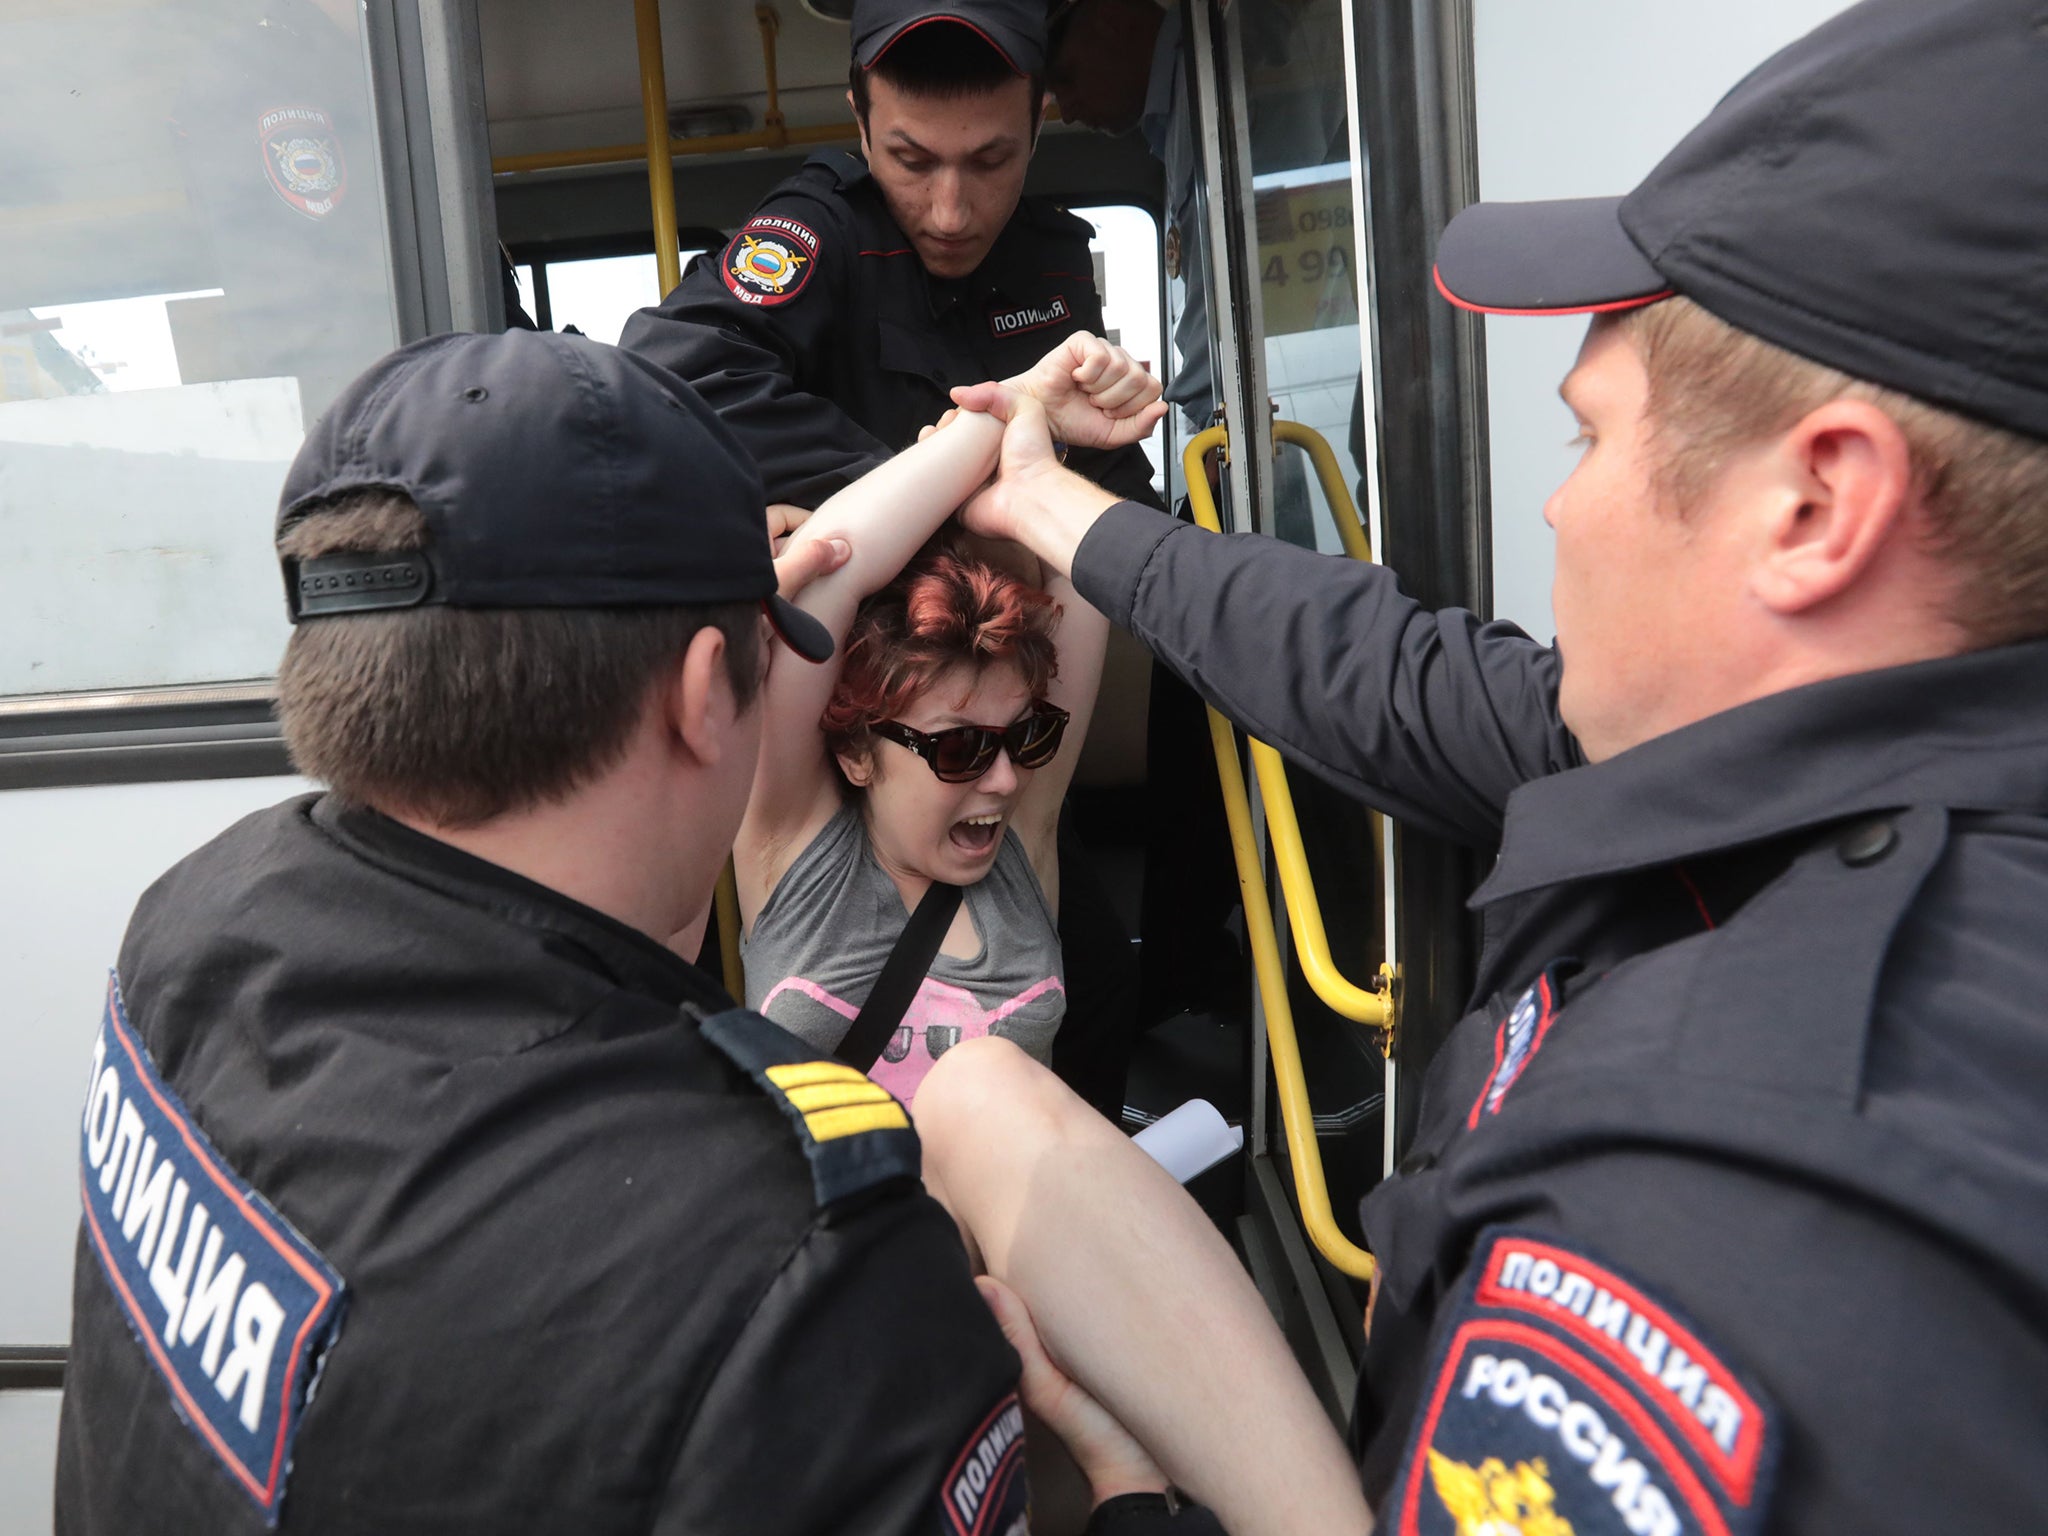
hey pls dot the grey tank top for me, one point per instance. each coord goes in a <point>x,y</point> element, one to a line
<point>827,929</point>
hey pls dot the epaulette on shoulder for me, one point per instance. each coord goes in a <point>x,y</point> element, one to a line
<point>843,167</point>
<point>1049,215</point>
<point>854,1133</point>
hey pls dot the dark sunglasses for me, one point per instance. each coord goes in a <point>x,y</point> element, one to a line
<point>966,752</point>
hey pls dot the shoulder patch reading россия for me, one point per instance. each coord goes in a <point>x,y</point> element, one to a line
<point>1564,1398</point>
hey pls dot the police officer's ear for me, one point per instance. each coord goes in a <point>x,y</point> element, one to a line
<point>860,121</point>
<point>1836,508</point>
<point>696,699</point>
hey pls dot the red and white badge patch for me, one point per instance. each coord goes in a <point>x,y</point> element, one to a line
<point>1520,1036</point>
<point>302,155</point>
<point>1566,1401</point>
<point>770,260</point>
<point>985,1493</point>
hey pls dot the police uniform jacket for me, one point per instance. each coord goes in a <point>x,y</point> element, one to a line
<point>1727,1206</point>
<point>512,1223</point>
<point>821,340</point>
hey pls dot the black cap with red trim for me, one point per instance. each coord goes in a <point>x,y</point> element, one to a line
<point>1874,197</point>
<point>1014,28</point>
<point>553,472</point>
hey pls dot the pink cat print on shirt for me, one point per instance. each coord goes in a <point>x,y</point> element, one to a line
<point>939,1018</point>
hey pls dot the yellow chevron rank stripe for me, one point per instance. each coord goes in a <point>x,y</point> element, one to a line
<point>837,1101</point>
<point>831,1124</point>
<point>802,1074</point>
<point>836,1095</point>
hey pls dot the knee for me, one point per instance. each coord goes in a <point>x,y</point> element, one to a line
<point>974,1078</point>
<point>987,1094</point>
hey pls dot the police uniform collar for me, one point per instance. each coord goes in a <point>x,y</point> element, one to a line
<point>629,956</point>
<point>1966,732</point>
<point>846,168</point>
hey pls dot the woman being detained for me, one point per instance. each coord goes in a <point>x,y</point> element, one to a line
<point>936,745</point>
<point>1144,1344</point>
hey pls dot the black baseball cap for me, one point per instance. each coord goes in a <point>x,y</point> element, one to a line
<point>553,472</point>
<point>1874,197</point>
<point>1014,28</point>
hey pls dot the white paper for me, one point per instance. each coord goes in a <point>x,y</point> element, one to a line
<point>1190,1140</point>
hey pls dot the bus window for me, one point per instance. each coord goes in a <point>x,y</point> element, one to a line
<point>595,294</point>
<point>1126,250</point>
<point>598,294</point>
<point>197,262</point>
<point>1303,248</point>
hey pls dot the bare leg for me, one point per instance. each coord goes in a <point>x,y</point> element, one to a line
<point>1135,1294</point>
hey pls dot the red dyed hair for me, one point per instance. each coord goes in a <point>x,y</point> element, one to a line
<point>946,609</point>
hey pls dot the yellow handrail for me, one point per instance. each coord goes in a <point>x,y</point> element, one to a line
<point>1324,457</point>
<point>661,176</point>
<point>1311,1189</point>
<point>1304,913</point>
<point>661,189</point>
<point>697,144</point>
<point>1369,1006</point>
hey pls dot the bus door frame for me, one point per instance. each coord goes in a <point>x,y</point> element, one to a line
<point>1309,1298</point>
<point>1414,128</point>
<point>1412,131</point>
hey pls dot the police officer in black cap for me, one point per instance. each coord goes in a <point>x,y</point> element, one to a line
<point>426,1189</point>
<point>1727,1204</point>
<point>829,329</point>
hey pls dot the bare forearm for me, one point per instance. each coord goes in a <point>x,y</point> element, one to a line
<point>890,511</point>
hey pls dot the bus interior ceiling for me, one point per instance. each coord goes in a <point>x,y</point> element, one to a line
<point>566,77</point>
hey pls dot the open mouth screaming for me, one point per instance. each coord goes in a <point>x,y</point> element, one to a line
<point>976,835</point>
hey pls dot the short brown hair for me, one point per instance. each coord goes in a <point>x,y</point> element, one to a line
<point>1715,389</point>
<point>941,63</point>
<point>948,608</point>
<point>460,715</point>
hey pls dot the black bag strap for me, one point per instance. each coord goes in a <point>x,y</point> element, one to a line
<point>902,974</point>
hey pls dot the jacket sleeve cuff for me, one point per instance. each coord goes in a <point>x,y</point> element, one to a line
<point>1113,556</point>
<point>1151,1514</point>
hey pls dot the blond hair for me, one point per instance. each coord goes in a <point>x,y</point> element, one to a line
<point>1715,389</point>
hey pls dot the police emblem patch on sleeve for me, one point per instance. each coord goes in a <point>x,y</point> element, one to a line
<point>1565,1401</point>
<point>770,260</point>
<point>234,1308</point>
<point>985,1492</point>
<point>302,154</point>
